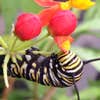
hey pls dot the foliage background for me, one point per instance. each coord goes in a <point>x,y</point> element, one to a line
<point>86,45</point>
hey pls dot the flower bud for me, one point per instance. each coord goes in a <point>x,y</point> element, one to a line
<point>27,26</point>
<point>62,23</point>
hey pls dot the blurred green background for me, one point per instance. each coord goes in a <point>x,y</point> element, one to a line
<point>86,45</point>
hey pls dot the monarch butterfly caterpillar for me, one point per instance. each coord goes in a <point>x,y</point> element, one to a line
<point>57,70</point>
<point>54,70</point>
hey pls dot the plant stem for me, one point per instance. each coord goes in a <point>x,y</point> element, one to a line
<point>7,57</point>
<point>41,39</point>
<point>13,44</point>
<point>32,43</point>
<point>2,43</point>
<point>48,45</point>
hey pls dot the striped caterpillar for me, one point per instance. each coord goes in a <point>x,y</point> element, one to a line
<point>54,70</point>
<point>57,70</point>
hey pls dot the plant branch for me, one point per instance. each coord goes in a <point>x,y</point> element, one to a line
<point>13,44</point>
<point>2,43</point>
<point>6,60</point>
<point>41,39</point>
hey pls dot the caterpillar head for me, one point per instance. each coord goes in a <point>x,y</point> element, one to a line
<point>70,66</point>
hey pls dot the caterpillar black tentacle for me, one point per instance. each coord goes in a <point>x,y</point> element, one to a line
<point>76,89</point>
<point>91,60</point>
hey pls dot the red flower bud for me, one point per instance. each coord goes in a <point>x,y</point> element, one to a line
<point>62,23</point>
<point>27,26</point>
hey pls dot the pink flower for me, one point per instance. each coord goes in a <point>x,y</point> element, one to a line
<point>27,26</point>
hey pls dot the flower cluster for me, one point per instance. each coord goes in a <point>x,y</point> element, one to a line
<point>59,19</point>
<point>61,26</point>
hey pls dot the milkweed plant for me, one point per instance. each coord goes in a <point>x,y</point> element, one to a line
<point>57,17</point>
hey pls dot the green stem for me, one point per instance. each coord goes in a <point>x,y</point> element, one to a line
<point>2,52</point>
<point>41,39</point>
<point>31,44</point>
<point>50,46</point>
<point>7,57</point>
<point>13,44</point>
<point>2,43</point>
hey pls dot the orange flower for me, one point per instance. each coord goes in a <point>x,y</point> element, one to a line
<point>46,14</point>
<point>56,5</point>
<point>67,4</point>
<point>61,26</point>
<point>63,42</point>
